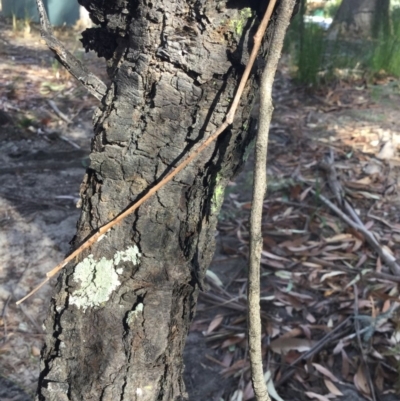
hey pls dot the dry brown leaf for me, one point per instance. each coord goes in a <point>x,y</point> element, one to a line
<point>378,267</point>
<point>331,274</point>
<point>310,318</point>
<point>369,225</point>
<point>387,249</point>
<point>288,300</point>
<point>291,356</point>
<point>364,181</point>
<point>325,372</point>
<point>303,195</point>
<point>287,212</point>
<point>211,358</point>
<point>362,260</point>
<point>284,345</point>
<point>339,257</point>
<point>312,265</point>
<point>240,364</point>
<point>228,250</point>
<point>292,333</point>
<point>303,248</point>
<point>335,288</point>
<point>355,233</point>
<point>294,242</point>
<point>332,388</point>
<point>272,263</point>
<point>227,359</point>
<point>316,396</point>
<point>361,382</point>
<point>339,238</point>
<point>215,323</point>
<point>35,351</point>
<point>306,330</point>
<point>377,354</point>
<point>367,195</point>
<point>270,255</point>
<point>386,306</point>
<point>248,393</point>
<point>269,241</point>
<point>299,378</point>
<point>272,329</point>
<point>237,338</point>
<point>300,296</point>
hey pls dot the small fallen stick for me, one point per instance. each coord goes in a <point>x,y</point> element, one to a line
<point>385,256</point>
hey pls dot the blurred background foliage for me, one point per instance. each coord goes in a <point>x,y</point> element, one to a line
<point>344,39</point>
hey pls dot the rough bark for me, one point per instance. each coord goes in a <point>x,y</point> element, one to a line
<point>361,18</point>
<point>119,316</point>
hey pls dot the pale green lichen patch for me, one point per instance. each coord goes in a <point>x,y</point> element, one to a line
<point>218,196</point>
<point>131,254</point>
<point>239,24</point>
<point>99,278</point>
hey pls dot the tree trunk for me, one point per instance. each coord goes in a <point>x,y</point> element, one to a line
<point>361,18</point>
<point>119,316</point>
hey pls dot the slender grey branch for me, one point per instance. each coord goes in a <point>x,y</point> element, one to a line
<point>259,187</point>
<point>92,83</point>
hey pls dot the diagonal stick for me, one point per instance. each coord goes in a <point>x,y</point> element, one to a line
<point>228,121</point>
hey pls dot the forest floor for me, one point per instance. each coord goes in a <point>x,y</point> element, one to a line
<point>329,303</point>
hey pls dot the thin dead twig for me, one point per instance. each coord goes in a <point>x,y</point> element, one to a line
<point>285,12</point>
<point>202,146</point>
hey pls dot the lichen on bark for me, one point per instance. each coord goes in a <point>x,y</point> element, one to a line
<point>98,279</point>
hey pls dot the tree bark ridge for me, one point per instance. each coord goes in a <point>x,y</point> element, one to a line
<point>174,68</point>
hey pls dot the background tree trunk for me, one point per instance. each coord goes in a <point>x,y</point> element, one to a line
<point>119,317</point>
<point>361,18</point>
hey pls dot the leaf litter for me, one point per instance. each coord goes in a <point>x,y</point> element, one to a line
<point>329,302</point>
